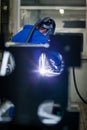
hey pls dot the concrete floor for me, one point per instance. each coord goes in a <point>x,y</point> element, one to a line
<point>83,116</point>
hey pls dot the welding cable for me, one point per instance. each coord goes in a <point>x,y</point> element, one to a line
<point>76,87</point>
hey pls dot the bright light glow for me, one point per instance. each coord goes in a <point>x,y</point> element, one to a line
<point>47,67</point>
<point>43,65</point>
<point>42,71</point>
<point>61,11</point>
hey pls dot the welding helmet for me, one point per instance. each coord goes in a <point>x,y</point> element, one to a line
<point>48,24</point>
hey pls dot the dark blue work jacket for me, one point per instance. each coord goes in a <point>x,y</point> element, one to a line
<point>36,38</point>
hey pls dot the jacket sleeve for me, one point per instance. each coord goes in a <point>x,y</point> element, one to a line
<point>21,36</point>
<point>36,38</point>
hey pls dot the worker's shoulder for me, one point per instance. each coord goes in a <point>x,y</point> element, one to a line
<point>27,26</point>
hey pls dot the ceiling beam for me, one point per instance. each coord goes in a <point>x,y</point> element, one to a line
<point>52,7</point>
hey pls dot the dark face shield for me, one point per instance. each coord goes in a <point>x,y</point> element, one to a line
<point>48,24</point>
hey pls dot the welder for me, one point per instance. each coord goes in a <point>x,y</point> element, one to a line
<point>39,32</point>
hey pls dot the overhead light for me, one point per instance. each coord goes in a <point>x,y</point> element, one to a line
<point>61,11</point>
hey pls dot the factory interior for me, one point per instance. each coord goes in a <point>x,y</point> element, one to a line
<point>57,101</point>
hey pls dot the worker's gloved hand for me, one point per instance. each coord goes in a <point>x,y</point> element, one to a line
<point>51,63</point>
